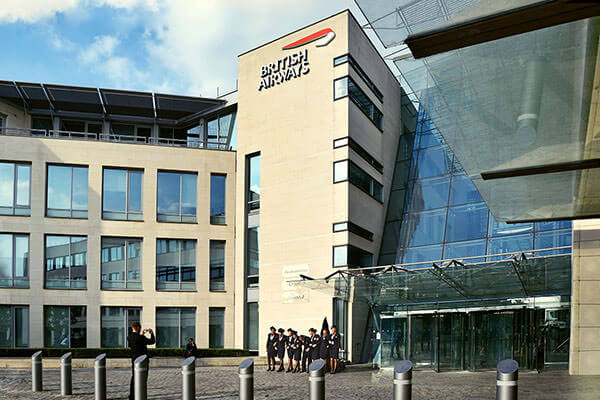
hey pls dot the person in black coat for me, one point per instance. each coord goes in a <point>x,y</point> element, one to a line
<point>271,349</point>
<point>315,344</point>
<point>334,348</point>
<point>281,341</point>
<point>297,348</point>
<point>324,347</point>
<point>139,347</point>
<point>306,350</point>
<point>290,351</point>
<point>190,349</point>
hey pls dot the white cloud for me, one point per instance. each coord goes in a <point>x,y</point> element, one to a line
<point>34,10</point>
<point>102,47</point>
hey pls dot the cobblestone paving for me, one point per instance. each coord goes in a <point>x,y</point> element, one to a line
<point>355,383</point>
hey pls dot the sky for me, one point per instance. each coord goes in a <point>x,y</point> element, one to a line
<point>185,47</point>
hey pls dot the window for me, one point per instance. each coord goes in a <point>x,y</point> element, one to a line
<point>14,260</point>
<point>340,319</point>
<point>252,326</point>
<point>345,86</point>
<point>216,328</point>
<point>217,199</point>
<point>81,126</point>
<point>217,265</point>
<point>352,62</point>
<point>176,195</point>
<point>358,149</point>
<point>352,227</point>
<point>2,123</point>
<point>115,325</point>
<point>122,194</point>
<point>121,263</point>
<point>66,262</point>
<point>175,264</point>
<point>348,171</point>
<point>174,326</point>
<point>252,256</point>
<point>137,131</point>
<point>253,179</point>
<point>41,123</point>
<point>15,196</point>
<point>65,326</point>
<point>67,191</point>
<point>351,256</point>
<point>14,326</point>
<point>219,131</point>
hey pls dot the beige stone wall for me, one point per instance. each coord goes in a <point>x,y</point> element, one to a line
<point>96,155</point>
<point>293,125</point>
<point>15,117</point>
<point>585,299</point>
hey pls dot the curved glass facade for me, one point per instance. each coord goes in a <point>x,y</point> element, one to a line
<point>436,213</point>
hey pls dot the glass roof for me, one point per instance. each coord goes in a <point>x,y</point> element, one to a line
<point>516,279</point>
<point>515,103</point>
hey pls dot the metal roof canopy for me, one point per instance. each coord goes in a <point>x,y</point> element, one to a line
<point>451,282</point>
<point>170,106</point>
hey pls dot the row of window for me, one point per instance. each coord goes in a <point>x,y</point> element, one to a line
<point>121,263</point>
<point>67,193</point>
<point>66,326</point>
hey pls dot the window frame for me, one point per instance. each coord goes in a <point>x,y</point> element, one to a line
<point>179,282</point>
<point>211,268</point>
<point>69,307</point>
<point>126,322</point>
<point>139,215</point>
<point>348,246</point>
<point>339,60</point>
<point>348,179</point>
<point>353,228</point>
<point>248,176</point>
<point>359,150</point>
<point>128,241</point>
<point>13,325</point>
<point>70,210</point>
<point>15,205</point>
<point>211,310</point>
<point>70,256</point>
<point>371,118</point>
<point>218,145</point>
<point>216,219</point>
<point>25,279</point>
<point>193,218</point>
<point>182,343</point>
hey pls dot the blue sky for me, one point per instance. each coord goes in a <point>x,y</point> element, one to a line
<point>173,46</point>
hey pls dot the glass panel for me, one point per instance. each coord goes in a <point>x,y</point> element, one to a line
<point>429,193</point>
<point>423,333</point>
<point>134,261</point>
<point>56,326</point>
<point>188,325</point>
<point>425,253</point>
<point>123,129</point>
<point>492,338</point>
<point>58,261</point>
<point>253,251</point>
<point>59,187</point>
<point>433,161</point>
<point>6,259</point>
<point>21,326</point>
<point>80,188</point>
<point>340,171</point>
<point>216,328</point>
<point>471,248</point>
<point>167,327</point>
<point>23,184</point>
<point>424,228</point>
<point>550,239</point>
<point>254,183</point>
<point>168,193</point>
<point>114,196</point>
<point>457,228</point>
<point>252,326</point>
<point>217,198</point>
<point>217,265</point>
<point>78,261</point>
<point>546,226</point>
<point>113,323</point>
<point>188,197</point>
<point>6,326</point>
<point>340,88</point>
<point>7,184</point>
<point>502,228</point>
<point>78,327</point>
<point>557,336</point>
<point>463,191</point>
<point>340,256</point>
<point>508,244</point>
<point>451,347</point>
<point>21,256</point>
<point>135,191</point>
<point>113,263</point>
<point>394,342</point>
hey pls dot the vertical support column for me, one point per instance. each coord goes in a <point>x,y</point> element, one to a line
<point>36,372</point>
<point>188,371</point>
<point>246,374</point>
<point>66,381</point>
<point>403,380</point>
<point>140,377</point>
<point>100,377</point>
<point>316,380</point>
<point>506,381</point>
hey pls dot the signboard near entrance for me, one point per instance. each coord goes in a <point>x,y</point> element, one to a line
<point>292,292</point>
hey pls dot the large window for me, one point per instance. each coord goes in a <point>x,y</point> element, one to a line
<point>121,263</point>
<point>175,264</point>
<point>65,326</point>
<point>252,256</point>
<point>176,193</point>
<point>15,193</point>
<point>346,87</point>
<point>122,194</point>
<point>346,170</point>
<point>14,326</point>
<point>116,323</point>
<point>67,191</point>
<point>358,149</point>
<point>219,131</point>
<point>252,326</point>
<point>216,327</point>
<point>66,262</point>
<point>351,256</point>
<point>217,265</point>
<point>217,198</point>
<point>347,58</point>
<point>14,260</point>
<point>71,125</point>
<point>174,326</point>
<point>253,179</point>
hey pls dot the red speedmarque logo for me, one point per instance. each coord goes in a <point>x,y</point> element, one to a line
<point>327,35</point>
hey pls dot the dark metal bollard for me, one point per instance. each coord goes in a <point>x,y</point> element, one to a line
<point>100,377</point>
<point>188,370</point>
<point>403,380</point>
<point>316,380</point>
<point>246,373</point>
<point>36,372</point>
<point>506,381</point>
<point>66,381</point>
<point>140,377</point>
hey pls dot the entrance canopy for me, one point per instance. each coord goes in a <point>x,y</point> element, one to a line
<point>448,284</point>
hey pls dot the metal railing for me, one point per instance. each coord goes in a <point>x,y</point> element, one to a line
<point>109,137</point>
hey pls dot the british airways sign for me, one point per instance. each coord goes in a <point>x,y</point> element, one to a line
<point>293,65</point>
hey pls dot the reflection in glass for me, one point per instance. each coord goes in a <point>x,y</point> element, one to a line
<point>115,325</point>
<point>65,326</point>
<point>14,326</point>
<point>174,326</point>
<point>433,161</point>
<point>463,191</point>
<point>424,253</point>
<point>14,260</point>
<point>216,328</point>
<point>176,193</point>
<point>424,228</point>
<point>175,264</point>
<point>67,191</point>
<point>217,199</point>
<point>66,262</point>
<point>252,255</point>
<point>122,195</point>
<point>506,244</point>
<point>551,239</point>
<point>466,222</point>
<point>429,193</point>
<point>470,248</point>
<point>253,193</point>
<point>217,265</point>
<point>15,189</point>
<point>252,326</point>
<point>121,263</point>
<point>502,228</point>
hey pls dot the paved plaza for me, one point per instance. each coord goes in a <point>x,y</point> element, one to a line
<point>356,383</point>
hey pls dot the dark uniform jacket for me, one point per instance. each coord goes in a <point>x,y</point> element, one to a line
<point>315,342</point>
<point>272,345</point>
<point>296,347</point>
<point>139,344</point>
<point>324,347</point>
<point>334,345</point>
<point>281,342</point>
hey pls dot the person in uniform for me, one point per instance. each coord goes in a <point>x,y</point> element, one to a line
<point>290,351</point>
<point>281,341</point>
<point>306,349</point>
<point>334,348</point>
<point>324,347</point>
<point>297,348</point>
<point>271,349</point>
<point>315,342</point>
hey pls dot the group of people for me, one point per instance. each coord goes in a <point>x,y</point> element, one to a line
<point>303,349</point>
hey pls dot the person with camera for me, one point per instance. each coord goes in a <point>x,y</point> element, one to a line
<point>138,342</point>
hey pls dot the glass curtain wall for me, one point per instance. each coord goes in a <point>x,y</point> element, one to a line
<point>66,262</point>
<point>443,215</point>
<point>116,323</point>
<point>121,263</point>
<point>15,196</point>
<point>174,326</point>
